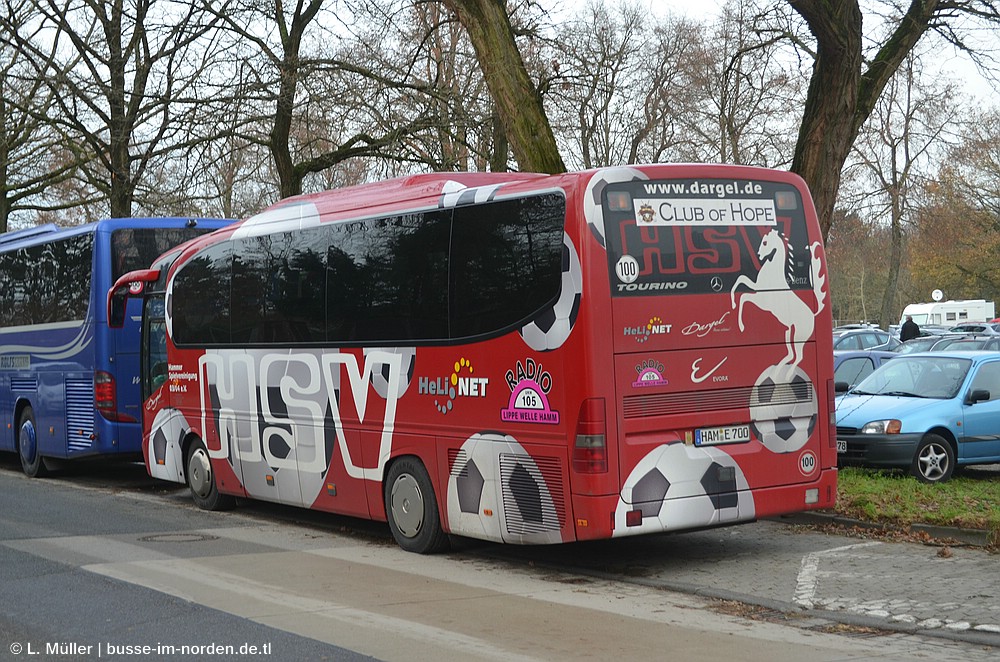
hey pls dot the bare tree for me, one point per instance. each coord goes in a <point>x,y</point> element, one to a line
<point>749,88</point>
<point>845,87</point>
<point>118,72</point>
<point>34,157</point>
<point>518,100</point>
<point>312,85</point>
<point>892,161</point>
<point>956,243</point>
<point>613,89</point>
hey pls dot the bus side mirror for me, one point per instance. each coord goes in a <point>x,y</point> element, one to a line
<point>131,284</point>
<point>841,387</point>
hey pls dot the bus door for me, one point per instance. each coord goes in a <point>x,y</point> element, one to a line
<point>120,377</point>
<point>714,312</point>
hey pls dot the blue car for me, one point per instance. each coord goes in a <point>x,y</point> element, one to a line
<point>851,366</point>
<point>926,412</point>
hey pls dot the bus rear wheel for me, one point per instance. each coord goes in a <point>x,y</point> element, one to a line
<point>411,508</point>
<point>201,480</point>
<point>27,446</point>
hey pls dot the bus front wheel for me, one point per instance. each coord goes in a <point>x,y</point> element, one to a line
<point>411,508</point>
<point>201,480</point>
<point>27,445</point>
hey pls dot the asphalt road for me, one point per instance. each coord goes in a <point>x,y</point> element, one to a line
<point>110,558</point>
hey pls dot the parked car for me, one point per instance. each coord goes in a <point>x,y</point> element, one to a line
<point>851,366</point>
<point>979,328</point>
<point>863,339</point>
<point>968,344</point>
<point>920,344</point>
<point>851,327</point>
<point>933,330</point>
<point>926,412</point>
<point>944,342</point>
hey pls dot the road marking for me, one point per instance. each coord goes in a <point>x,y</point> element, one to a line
<point>197,581</point>
<point>896,610</point>
<point>808,578</point>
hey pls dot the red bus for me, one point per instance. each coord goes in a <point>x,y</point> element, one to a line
<point>513,357</point>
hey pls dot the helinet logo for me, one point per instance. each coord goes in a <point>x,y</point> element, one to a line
<point>653,327</point>
<point>460,384</point>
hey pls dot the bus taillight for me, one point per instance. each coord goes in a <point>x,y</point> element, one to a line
<point>105,399</point>
<point>590,452</point>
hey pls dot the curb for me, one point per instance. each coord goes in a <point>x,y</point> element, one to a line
<point>972,537</point>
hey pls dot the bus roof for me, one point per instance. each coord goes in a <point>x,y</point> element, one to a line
<point>51,232</point>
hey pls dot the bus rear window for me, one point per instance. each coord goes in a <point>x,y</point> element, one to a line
<point>699,236</point>
<point>137,248</point>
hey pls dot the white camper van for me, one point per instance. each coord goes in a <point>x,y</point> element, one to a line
<point>949,313</point>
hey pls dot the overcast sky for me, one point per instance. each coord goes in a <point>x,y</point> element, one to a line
<point>951,62</point>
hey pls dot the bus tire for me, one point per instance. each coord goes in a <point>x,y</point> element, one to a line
<point>411,508</point>
<point>201,479</point>
<point>27,445</point>
<point>934,461</point>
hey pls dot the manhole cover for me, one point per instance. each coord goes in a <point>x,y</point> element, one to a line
<point>178,537</point>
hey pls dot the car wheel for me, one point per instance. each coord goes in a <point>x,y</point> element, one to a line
<point>201,480</point>
<point>934,461</point>
<point>32,462</point>
<point>411,508</point>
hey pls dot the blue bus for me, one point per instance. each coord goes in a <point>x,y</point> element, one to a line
<point>69,382</point>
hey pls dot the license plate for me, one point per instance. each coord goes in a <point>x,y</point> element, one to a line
<point>731,434</point>
<point>841,445</point>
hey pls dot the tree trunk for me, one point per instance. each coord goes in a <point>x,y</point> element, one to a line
<point>840,96</point>
<point>517,101</point>
<point>119,157</point>
<point>827,129</point>
<point>895,257</point>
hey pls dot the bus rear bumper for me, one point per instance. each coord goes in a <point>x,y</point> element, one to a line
<point>599,517</point>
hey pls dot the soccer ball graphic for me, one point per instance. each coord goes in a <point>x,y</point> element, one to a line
<point>783,408</point>
<point>592,209</point>
<point>496,491</point>
<point>166,441</point>
<point>381,371</point>
<point>550,329</point>
<point>677,487</point>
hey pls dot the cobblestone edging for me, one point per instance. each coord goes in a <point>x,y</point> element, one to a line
<point>973,537</point>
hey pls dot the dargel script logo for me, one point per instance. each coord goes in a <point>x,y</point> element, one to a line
<point>701,330</point>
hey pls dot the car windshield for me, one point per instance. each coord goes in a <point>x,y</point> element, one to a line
<point>917,377</point>
<point>967,345</point>
<point>917,345</point>
<point>944,343</point>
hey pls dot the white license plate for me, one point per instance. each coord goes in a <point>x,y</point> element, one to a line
<point>730,434</point>
<point>841,445</point>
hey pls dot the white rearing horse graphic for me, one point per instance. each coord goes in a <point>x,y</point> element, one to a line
<point>770,292</point>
